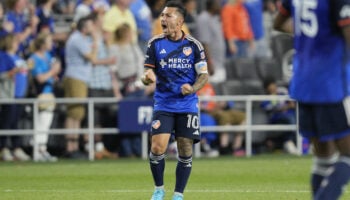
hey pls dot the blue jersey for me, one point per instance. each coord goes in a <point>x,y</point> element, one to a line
<point>42,66</point>
<point>174,65</point>
<point>320,65</point>
<point>255,11</point>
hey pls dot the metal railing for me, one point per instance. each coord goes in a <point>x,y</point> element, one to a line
<point>248,128</point>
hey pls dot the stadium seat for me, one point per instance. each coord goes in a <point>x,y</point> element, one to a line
<point>246,69</point>
<point>232,87</point>
<point>259,117</point>
<point>231,73</point>
<point>218,88</point>
<point>281,44</point>
<point>268,67</point>
<point>252,87</point>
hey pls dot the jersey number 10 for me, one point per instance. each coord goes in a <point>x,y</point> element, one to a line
<point>305,17</point>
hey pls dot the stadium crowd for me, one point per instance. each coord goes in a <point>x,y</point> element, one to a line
<point>95,48</point>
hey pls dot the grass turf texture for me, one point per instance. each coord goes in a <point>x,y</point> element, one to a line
<point>260,177</point>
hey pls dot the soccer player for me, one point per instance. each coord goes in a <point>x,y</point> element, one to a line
<point>321,85</point>
<point>176,63</point>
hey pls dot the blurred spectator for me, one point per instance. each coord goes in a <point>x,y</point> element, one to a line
<point>6,27</point>
<point>118,15</point>
<point>7,90</point>
<point>46,24</point>
<point>280,112</point>
<point>64,6</point>
<point>22,14</point>
<point>255,10</point>
<point>11,113</point>
<point>210,33</point>
<point>143,17</point>
<point>156,7</point>
<point>44,13</point>
<point>83,9</point>
<point>129,69</point>
<point>191,15</point>
<point>100,85</point>
<point>81,50</point>
<point>45,71</point>
<point>224,115</point>
<point>208,139</point>
<point>237,29</point>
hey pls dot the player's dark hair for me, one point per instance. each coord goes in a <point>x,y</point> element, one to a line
<point>178,5</point>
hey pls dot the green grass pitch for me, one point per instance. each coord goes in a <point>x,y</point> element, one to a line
<point>269,177</point>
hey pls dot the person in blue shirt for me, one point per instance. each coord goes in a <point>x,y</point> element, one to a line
<point>45,71</point>
<point>11,113</point>
<point>176,63</point>
<point>44,13</point>
<point>25,23</point>
<point>321,85</point>
<point>143,18</point>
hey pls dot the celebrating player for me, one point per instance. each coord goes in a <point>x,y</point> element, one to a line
<point>321,85</point>
<point>176,63</point>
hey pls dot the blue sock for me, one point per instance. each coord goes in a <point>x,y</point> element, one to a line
<point>183,171</point>
<point>320,171</point>
<point>332,185</point>
<point>157,164</point>
<point>316,180</point>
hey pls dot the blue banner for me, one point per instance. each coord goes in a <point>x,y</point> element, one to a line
<point>135,115</point>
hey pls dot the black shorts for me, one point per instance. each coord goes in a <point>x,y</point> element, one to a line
<point>181,124</point>
<point>324,121</point>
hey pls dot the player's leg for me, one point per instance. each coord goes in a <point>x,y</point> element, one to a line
<point>332,124</point>
<point>325,156</point>
<point>159,145</point>
<point>186,133</point>
<point>184,164</point>
<point>162,126</point>
<point>323,152</point>
<point>339,174</point>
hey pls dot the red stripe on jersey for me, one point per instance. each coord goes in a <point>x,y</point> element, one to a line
<point>344,22</point>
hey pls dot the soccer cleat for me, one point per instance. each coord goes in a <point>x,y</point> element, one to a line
<point>6,155</point>
<point>46,157</point>
<point>158,194</point>
<point>290,148</point>
<point>20,155</point>
<point>178,196</point>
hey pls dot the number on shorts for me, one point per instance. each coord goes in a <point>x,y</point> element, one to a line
<point>192,121</point>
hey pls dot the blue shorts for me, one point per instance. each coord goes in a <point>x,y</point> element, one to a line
<point>181,124</point>
<point>324,121</point>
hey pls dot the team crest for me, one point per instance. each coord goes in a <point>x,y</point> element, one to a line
<point>156,124</point>
<point>187,51</point>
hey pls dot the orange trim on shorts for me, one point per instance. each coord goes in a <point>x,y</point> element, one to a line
<point>344,22</point>
<point>149,65</point>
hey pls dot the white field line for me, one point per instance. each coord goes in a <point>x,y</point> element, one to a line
<point>147,191</point>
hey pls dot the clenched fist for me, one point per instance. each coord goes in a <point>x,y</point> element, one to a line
<point>186,89</point>
<point>148,77</point>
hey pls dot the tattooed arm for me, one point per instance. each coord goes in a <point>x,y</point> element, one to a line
<point>200,82</point>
